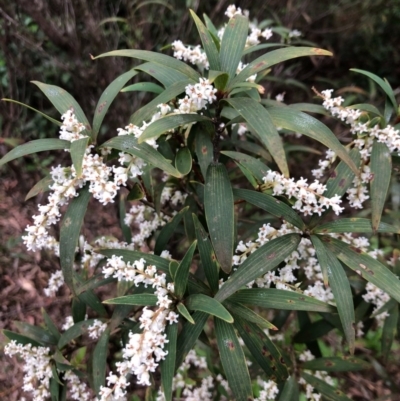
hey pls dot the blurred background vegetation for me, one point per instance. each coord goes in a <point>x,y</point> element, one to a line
<point>51,41</point>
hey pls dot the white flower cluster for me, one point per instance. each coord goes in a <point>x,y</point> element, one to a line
<point>56,281</point>
<point>269,390</point>
<point>37,368</point>
<point>379,298</point>
<point>319,374</point>
<point>78,390</point>
<point>71,128</point>
<point>197,97</point>
<point>143,351</point>
<point>194,55</point>
<point>309,197</point>
<point>96,329</point>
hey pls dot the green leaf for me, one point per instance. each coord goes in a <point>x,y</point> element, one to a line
<point>134,299</point>
<point>328,392</point>
<point>262,46</point>
<point>78,310</point>
<point>276,56</point>
<point>173,267</point>
<point>169,122</point>
<point>20,339</point>
<point>219,211</point>
<point>218,78</point>
<point>129,144</point>
<point>167,365</point>
<point>381,169</point>
<point>69,234</point>
<point>182,273</point>
<point>389,331</point>
<point>144,87</point>
<point>38,145</point>
<point>311,332</point>
<point>336,364</point>
<point>78,150</point>
<point>146,112</point>
<point>365,107</point>
<point>74,332</point>
<point>364,265</point>
<point>262,127</point>
<point>262,349</point>
<point>232,44</point>
<point>290,391</point>
<point>273,298</point>
<point>383,84</point>
<point>126,231</point>
<point>208,43</point>
<point>35,110</point>
<point>210,26</point>
<point>309,108</point>
<point>51,327</point>
<point>107,97</point>
<point>100,361</point>
<point>92,300</point>
<point>302,123</point>
<point>340,287</point>
<point>207,255</point>
<point>37,333</point>
<point>183,161</point>
<point>167,76</point>
<point>203,303</point>
<point>167,231</point>
<point>233,360</point>
<point>271,205</point>
<point>95,281</point>
<point>354,225</point>
<point>185,313</point>
<point>247,314</point>
<point>258,263</point>
<point>204,149</point>
<point>255,166</point>
<point>63,101</point>
<point>158,58</point>
<point>189,335</point>
<point>40,187</point>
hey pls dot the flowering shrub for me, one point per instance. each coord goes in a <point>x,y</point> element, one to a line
<point>225,244</point>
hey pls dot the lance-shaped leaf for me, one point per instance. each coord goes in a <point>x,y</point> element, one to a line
<point>93,301</point>
<point>258,263</point>
<point>232,44</point>
<point>183,161</point>
<point>233,360</point>
<point>107,97</point>
<point>389,331</point>
<point>167,365</point>
<point>311,332</point>
<point>262,126</point>
<point>203,303</point>
<point>189,335</point>
<point>340,287</point>
<point>336,364</point>
<point>203,148</point>
<point>273,298</point>
<point>354,225</point>
<point>181,308</point>
<point>69,234</point>
<point>78,150</point>
<point>166,75</point>
<point>219,210</point>
<point>129,144</point>
<point>144,87</point>
<point>207,255</point>
<point>382,83</point>
<point>158,58</point>
<point>74,332</point>
<point>305,124</point>
<point>95,281</point>
<point>126,231</point>
<point>364,265</point>
<point>276,56</point>
<point>218,78</point>
<point>100,361</point>
<point>40,187</point>
<point>63,101</point>
<point>182,273</point>
<point>147,111</point>
<point>168,122</point>
<point>328,392</point>
<point>290,391</point>
<point>37,333</point>
<point>255,166</point>
<point>381,169</point>
<point>38,145</point>
<point>262,349</point>
<point>134,299</point>
<point>51,327</point>
<point>167,231</point>
<point>20,339</point>
<point>271,205</point>
<point>208,44</point>
<point>247,314</point>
